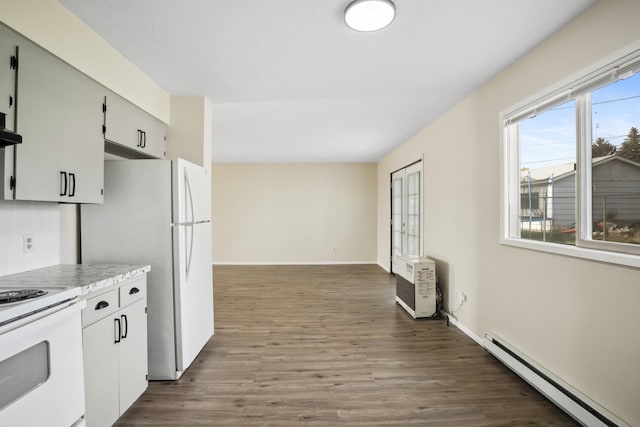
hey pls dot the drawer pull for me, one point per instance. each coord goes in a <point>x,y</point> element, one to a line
<point>133,291</point>
<point>101,305</point>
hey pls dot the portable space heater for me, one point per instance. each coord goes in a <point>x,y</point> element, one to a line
<point>416,285</point>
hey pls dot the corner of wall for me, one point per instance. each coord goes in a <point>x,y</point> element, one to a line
<point>191,130</point>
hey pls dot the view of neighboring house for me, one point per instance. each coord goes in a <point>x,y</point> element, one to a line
<point>547,195</point>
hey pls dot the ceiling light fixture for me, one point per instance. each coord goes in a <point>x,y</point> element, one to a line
<point>369,15</point>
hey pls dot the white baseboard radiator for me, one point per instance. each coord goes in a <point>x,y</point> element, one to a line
<point>578,406</point>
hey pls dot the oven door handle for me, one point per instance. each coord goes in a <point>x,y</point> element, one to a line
<point>118,330</point>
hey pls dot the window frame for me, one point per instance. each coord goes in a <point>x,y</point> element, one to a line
<point>578,87</point>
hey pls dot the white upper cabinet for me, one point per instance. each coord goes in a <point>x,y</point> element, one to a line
<point>59,117</point>
<point>131,132</point>
<point>67,122</point>
<point>7,76</point>
<point>8,44</point>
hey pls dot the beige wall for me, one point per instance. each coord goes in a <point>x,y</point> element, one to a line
<point>294,213</point>
<point>191,132</point>
<point>578,318</point>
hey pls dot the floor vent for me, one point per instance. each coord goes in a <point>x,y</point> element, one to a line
<point>574,403</point>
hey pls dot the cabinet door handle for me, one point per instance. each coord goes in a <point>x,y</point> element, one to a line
<point>101,305</point>
<point>63,183</point>
<point>144,139</point>
<point>139,144</point>
<point>117,330</point>
<point>125,328</point>
<point>133,291</point>
<point>72,184</point>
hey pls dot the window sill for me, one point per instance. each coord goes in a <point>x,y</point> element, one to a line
<point>628,260</point>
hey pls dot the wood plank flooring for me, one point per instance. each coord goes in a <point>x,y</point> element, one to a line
<point>328,346</point>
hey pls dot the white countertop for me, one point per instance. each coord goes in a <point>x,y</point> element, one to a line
<point>88,277</point>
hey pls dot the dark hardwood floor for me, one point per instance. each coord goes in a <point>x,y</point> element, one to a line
<point>327,346</point>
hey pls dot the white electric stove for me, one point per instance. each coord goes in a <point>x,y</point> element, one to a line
<point>40,355</point>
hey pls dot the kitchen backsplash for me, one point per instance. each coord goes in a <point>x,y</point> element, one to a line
<point>40,221</point>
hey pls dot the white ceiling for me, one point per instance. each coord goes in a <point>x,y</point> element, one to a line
<point>291,83</point>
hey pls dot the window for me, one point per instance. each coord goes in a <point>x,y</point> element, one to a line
<point>547,159</point>
<point>413,213</point>
<point>529,202</point>
<point>615,162</point>
<point>572,166</point>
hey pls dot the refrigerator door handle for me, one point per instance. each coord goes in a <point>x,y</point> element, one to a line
<point>187,187</point>
<point>190,251</point>
<point>190,224</point>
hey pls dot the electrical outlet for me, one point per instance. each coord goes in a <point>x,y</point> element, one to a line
<point>27,243</point>
<point>456,297</point>
<point>459,297</point>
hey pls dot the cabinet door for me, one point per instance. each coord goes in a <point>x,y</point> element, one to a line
<point>133,354</point>
<point>59,117</point>
<point>127,125</point>
<point>120,122</point>
<point>8,43</point>
<point>101,373</point>
<point>155,142</point>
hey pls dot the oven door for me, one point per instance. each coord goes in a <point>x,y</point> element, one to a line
<point>41,374</point>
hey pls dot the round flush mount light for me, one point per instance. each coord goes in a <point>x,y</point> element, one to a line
<point>369,15</point>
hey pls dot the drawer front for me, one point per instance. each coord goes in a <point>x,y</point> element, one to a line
<point>133,291</point>
<point>99,307</point>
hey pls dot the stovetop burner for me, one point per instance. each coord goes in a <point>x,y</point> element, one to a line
<point>17,295</point>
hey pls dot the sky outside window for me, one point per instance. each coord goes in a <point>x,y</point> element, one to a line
<point>549,138</point>
<point>615,108</point>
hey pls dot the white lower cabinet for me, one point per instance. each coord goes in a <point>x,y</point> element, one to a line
<point>115,351</point>
<point>133,355</point>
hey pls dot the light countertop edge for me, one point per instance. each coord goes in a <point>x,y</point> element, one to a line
<point>88,277</point>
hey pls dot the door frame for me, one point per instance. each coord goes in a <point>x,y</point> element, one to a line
<point>421,251</point>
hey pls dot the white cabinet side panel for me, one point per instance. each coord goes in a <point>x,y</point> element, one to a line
<point>133,226</point>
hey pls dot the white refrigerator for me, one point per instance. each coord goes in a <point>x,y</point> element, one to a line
<point>158,212</point>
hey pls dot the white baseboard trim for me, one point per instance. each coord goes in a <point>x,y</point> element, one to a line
<point>455,322</point>
<point>298,263</point>
<point>387,269</point>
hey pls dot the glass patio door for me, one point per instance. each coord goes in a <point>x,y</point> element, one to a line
<point>406,212</point>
